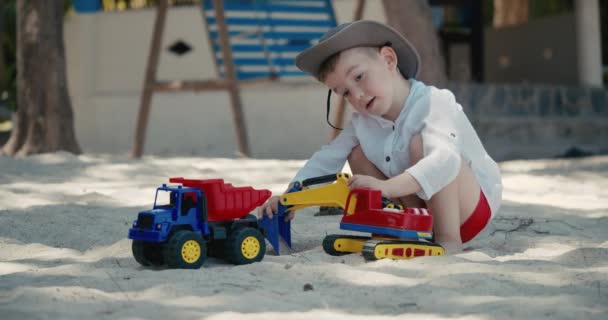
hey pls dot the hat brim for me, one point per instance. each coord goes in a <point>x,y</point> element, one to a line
<point>361,33</point>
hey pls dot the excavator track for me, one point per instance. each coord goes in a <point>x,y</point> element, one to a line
<point>399,249</point>
<point>341,244</point>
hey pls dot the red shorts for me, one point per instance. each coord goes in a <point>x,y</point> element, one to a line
<point>477,221</point>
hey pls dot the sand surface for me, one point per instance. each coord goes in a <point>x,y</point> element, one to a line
<point>64,252</point>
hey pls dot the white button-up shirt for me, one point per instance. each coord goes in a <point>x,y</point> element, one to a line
<point>447,135</point>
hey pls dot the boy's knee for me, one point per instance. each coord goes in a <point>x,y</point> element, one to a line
<point>356,155</point>
<point>416,149</point>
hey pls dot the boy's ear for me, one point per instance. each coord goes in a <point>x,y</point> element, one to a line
<point>389,55</point>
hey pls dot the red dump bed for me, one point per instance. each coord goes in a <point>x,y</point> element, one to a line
<point>224,201</point>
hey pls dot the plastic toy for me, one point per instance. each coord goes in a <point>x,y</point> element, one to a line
<point>396,233</point>
<point>202,217</point>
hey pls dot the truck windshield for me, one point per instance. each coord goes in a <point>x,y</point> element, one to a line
<point>165,199</point>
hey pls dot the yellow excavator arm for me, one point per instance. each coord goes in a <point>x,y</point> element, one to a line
<point>330,195</point>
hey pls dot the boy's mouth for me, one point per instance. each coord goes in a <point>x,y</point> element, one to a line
<point>370,103</point>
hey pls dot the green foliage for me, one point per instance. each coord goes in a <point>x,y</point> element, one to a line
<point>544,8</point>
<point>67,5</point>
<point>537,9</point>
<point>488,12</point>
<point>8,45</point>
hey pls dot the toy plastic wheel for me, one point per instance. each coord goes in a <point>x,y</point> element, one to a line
<point>328,245</point>
<point>186,250</point>
<point>332,244</point>
<point>245,245</point>
<point>148,253</point>
<point>390,204</point>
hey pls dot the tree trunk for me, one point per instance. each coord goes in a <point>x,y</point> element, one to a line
<point>414,20</point>
<point>510,12</point>
<point>44,121</point>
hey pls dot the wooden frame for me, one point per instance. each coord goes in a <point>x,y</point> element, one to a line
<point>151,85</point>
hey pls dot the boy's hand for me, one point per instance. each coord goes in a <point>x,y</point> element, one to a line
<point>271,207</point>
<point>362,181</point>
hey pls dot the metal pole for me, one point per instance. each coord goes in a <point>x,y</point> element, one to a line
<point>149,82</point>
<point>230,76</point>
<point>588,43</point>
<point>2,67</point>
<point>476,54</point>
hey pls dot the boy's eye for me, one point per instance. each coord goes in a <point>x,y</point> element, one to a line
<point>345,93</point>
<point>359,77</point>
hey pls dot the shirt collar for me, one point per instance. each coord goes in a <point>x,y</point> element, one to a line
<point>415,86</point>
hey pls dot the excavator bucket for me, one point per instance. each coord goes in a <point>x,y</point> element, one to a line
<point>277,228</point>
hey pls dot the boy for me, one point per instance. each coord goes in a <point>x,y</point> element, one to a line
<point>404,138</point>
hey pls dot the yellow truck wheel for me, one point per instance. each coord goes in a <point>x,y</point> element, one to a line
<point>245,245</point>
<point>185,250</point>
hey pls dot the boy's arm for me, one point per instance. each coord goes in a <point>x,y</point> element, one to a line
<point>331,157</point>
<point>395,187</point>
<point>433,172</point>
<point>438,168</point>
<point>400,185</point>
<point>440,135</point>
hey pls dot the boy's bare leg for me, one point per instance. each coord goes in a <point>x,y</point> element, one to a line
<point>453,204</point>
<point>359,164</point>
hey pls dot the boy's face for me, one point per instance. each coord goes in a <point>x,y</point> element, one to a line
<point>364,76</point>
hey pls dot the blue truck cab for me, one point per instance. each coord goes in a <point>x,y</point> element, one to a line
<point>172,211</point>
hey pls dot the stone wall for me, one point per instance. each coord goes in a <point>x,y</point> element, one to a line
<point>536,121</point>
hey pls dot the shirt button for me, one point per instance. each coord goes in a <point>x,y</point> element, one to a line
<point>393,127</point>
<point>388,158</point>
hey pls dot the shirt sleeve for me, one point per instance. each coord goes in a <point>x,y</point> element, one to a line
<point>331,157</point>
<point>440,138</point>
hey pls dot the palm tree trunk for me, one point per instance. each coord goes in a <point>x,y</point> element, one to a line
<point>510,12</point>
<point>413,19</point>
<point>44,120</point>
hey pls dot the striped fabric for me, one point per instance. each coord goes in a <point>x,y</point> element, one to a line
<point>266,35</point>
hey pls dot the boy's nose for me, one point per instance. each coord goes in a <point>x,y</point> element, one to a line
<point>358,94</point>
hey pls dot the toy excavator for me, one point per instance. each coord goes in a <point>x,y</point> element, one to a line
<point>396,233</point>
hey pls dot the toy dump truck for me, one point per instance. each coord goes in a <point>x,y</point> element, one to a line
<point>198,218</point>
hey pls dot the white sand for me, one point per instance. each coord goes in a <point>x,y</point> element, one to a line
<point>64,252</point>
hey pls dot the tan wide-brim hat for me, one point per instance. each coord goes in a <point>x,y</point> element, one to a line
<point>361,33</point>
